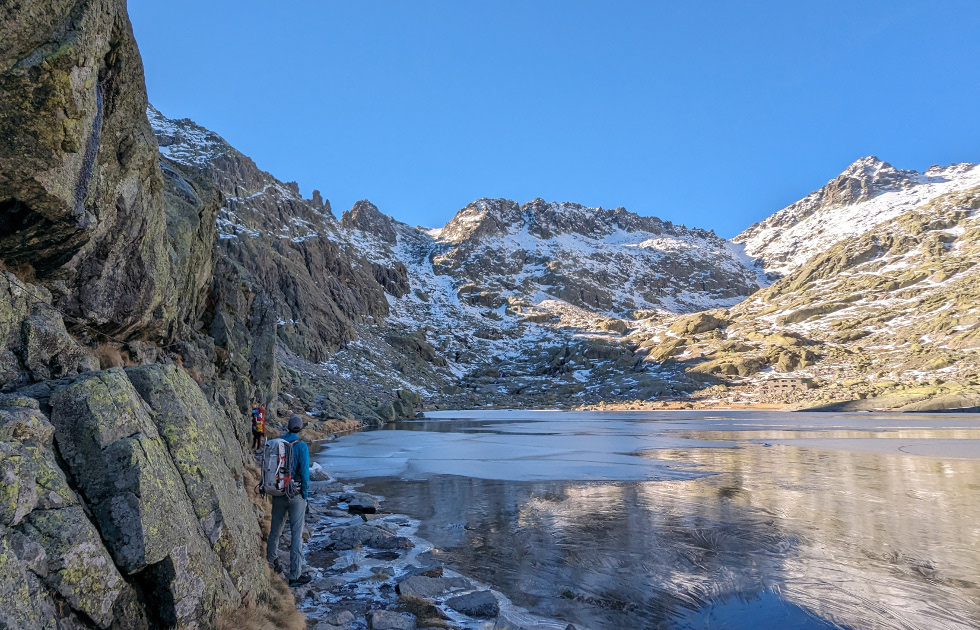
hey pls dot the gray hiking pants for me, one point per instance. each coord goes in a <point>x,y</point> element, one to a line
<point>296,507</point>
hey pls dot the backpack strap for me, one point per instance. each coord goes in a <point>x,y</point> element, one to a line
<point>293,464</point>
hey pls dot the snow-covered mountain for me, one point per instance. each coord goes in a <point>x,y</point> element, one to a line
<point>869,192</point>
<point>609,261</point>
<point>543,302</point>
<point>885,319</point>
<point>529,290</point>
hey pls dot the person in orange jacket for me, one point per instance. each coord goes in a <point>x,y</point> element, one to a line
<point>258,426</point>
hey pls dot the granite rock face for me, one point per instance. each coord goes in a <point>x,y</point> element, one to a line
<point>127,475</point>
<point>205,450</point>
<point>191,204</point>
<point>121,507</point>
<point>34,343</point>
<point>53,564</point>
<point>148,526</point>
<point>80,186</point>
<point>284,247</point>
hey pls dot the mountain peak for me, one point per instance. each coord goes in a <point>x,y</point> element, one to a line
<point>483,218</point>
<point>863,167</point>
<point>865,178</point>
<point>184,141</point>
<point>868,192</point>
<point>366,217</point>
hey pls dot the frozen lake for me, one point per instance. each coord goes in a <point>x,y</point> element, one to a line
<point>695,519</point>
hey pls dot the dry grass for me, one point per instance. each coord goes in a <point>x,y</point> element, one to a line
<point>428,615</point>
<point>274,611</point>
<point>261,503</point>
<point>24,272</point>
<point>112,355</point>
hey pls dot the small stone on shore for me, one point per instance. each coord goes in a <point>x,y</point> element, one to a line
<point>338,618</point>
<point>360,503</point>
<point>428,587</point>
<point>481,604</point>
<point>388,620</point>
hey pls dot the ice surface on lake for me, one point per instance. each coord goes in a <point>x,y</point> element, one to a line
<point>687,520</point>
<point>605,446</point>
<point>557,450</point>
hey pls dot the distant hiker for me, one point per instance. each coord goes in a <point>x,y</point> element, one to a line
<point>258,426</point>
<point>286,477</point>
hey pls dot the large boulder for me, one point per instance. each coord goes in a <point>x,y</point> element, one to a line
<point>479,604</point>
<point>355,536</point>
<point>429,587</point>
<point>614,325</point>
<point>205,451</point>
<point>49,549</point>
<point>699,323</point>
<point>123,469</point>
<point>80,186</point>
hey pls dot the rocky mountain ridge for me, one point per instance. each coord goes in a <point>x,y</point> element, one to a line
<point>564,262</point>
<point>868,193</point>
<point>544,303</point>
<point>605,260</point>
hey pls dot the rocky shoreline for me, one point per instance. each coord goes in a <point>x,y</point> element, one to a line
<point>371,571</point>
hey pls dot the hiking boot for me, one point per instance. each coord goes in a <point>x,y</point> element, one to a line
<point>300,581</point>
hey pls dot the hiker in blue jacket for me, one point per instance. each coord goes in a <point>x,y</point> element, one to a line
<point>295,507</point>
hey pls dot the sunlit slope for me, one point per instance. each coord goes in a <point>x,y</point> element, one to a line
<point>893,312</point>
<point>869,192</point>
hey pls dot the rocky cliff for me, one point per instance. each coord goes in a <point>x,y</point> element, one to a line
<point>81,204</point>
<point>290,288</point>
<point>123,502</point>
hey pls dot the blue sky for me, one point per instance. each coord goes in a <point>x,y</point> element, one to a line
<point>712,114</point>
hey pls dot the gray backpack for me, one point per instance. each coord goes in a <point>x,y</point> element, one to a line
<point>277,469</point>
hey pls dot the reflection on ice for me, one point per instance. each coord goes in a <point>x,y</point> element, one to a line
<point>759,611</point>
<point>524,457</point>
<point>852,521</point>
